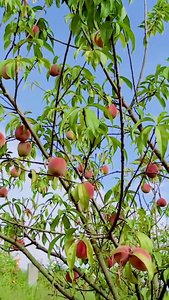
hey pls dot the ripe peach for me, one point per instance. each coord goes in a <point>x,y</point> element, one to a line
<point>111,261</point>
<point>35,29</point>
<point>161,202</point>
<point>2,140</point>
<point>81,250</point>
<point>3,192</point>
<point>68,278</point>
<point>22,134</point>
<point>146,188</point>
<point>104,169</point>
<point>113,217</point>
<point>54,71</point>
<point>112,110</point>
<point>80,168</point>
<point>57,166</point>
<point>70,135</point>
<point>152,170</point>
<point>24,149</point>
<point>123,254</point>
<point>15,173</point>
<point>88,174</point>
<point>90,188</point>
<point>98,40</point>
<point>4,74</point>
<point>135,261</point>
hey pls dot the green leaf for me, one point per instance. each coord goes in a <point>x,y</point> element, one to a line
<point>68,244</point>
<point>146,119</point>
<point>73,120</point>
<point>66,117</point>
<point>129,274</point>
<point>83,197</point>
<point>18,209</point>
<point>52,244</point>
<point>89,251</point>
<point>34,176</point>
<point>54,183</point>
<point>129,33</point>
<point>66,222</point>
<point>107,196</point>
<point>127,81</point>
<point>37,51</point>
<point>145,242</point>
<point>44,238</point>
<point>166,275</point>
<point>75,194</point>
<point>75,24</point>
<point>54,223</point>
<point>147,262</point>
<point>49,48</point>
<point>162,137</point>
<point>166,73</point>
<point>71,255</point>
<point>91,120</point>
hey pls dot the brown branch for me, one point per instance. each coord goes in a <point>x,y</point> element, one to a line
<point>145,53</point>
<point>57,96</point>
<point>122,135</point>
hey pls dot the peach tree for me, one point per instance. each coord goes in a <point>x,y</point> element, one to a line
<point>86,141</point>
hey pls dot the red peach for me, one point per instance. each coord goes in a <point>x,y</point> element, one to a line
<point>4,74</point>
<point>24,149</point>
<point>98,40</point>
<point>70,135</point>
<point>146,188</point>
<point>22,134</point>
<point>88,174</point>
<point>104,169</point>
<point>112,110</point>
<point>2,140</point>
<point>90,188</point>
<point>123,254</point>
<point>136,262</point>
<point>15,172</point>
<point>111,261</point>
<point>152,170</point>
<point>68,278</point>
<point>3,192</point>
<point>35,29</point>
<point>80,168</point>
<point>113,217</point>
<point>161,202</point>
<point>81,250</point>
<point>54,71</point>
<point>57,166</point>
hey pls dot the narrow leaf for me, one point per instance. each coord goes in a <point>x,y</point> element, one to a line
<point>71,255</point>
